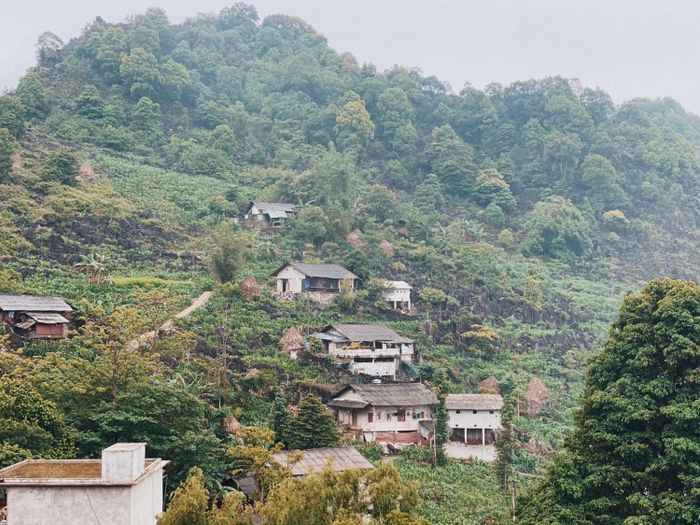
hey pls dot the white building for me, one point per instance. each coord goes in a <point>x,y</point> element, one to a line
<point>398,295</point>
<point>399,414</point>
<point>320,282</point>
<point>123,488</point>
<point>370,349</point>
<point>268,214</point>
<point>474,419</point>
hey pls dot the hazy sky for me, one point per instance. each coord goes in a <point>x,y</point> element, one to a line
<point>630,48</point>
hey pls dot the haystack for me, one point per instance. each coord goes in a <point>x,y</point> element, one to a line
<point>536,398</point>
<point>490,385</point>
<point>17,164</point>
<point>291,340</point>
<point>250,288</point>
<point>231,425</point>
<point>387,248</point>
<point>87,173</point>
<point>354,239</point>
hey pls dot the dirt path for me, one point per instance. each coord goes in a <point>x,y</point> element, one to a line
<point>169,325</point>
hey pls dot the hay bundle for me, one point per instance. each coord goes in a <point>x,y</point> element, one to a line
<point>291,340</point>
<point>387,248</point>
<point>490,385</point>
<point>536,398</point>
<point>17,164</point>
<point>250,288</point>
<point>354,239</point>
<point>87,173</point>
<point>231,425</point>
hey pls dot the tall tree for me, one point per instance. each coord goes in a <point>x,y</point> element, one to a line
<point>634,456</point>
<point>34,95</point>
<point>7,147</point>
<point>313,425</point>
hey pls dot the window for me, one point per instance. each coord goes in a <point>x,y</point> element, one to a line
<point>473,411</point>
<point>401,415</point>
<point>370,417</point>
<point>490,411</point>
<point>459,411</point>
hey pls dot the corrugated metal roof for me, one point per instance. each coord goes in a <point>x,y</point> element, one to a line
<point>271,207</point>
<point>368,332</point>
<point>315,459</point>
<point>48,318</point>
<point>347,403</point>
<point>324,271</point>
<point>394,394</point>
<point>33,303</point>
<point>276,214</point>
<point>474,402</point>
<point>399,285</point>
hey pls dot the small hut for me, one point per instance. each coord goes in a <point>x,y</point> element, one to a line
<point>292,342</point>
<point>250,288</point>
<point>490,385</point>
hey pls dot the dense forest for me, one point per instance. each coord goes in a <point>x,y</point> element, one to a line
<point>521,214</point>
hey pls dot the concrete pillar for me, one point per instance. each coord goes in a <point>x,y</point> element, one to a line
<point>483,437</point>
<point>123,461</point>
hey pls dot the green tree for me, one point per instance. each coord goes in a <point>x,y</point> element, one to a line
<point>448,157</point>
<point>633,457</point>
<point>506,446</point>
<point>189,503</point>
<point>113,46</point>
<point>599,179</point>
<point>12,115</point>
<point>491,188</point>
<point>34,95</point>
<point>353,126</point>
<point>380,203</point>
<point>31,422</point>
<point>313,425</point>
<point>7,148</point>
<point>89,103</point>
<point>61,166</point>
<point>147,118</point>
<point>47,47</point>
<point>556,228</point>
<point>310,225</point>
<point>228,254</point>
<point>281,418</point>
<point>139,72</point>
<point>429,197</point>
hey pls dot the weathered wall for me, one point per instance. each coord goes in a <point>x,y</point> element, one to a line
<point>467,419</point>
<point>295,277</point>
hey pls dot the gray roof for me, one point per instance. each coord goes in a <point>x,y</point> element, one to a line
<point>33,303</point>
<point>324,271</point>
<point>274,207</point>
<point>315,459</point>
<point>474,402</point>
<point>398,285</point>
<point>393,394</point>
<point>48,318</point>
<point>368,332</point>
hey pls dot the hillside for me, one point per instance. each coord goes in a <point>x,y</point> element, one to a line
<point>521,215</point>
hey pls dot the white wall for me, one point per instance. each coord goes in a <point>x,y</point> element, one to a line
<point>384,420</point>
<point>295,277</point>
<point>87,505</point>
<point>467,419</point>
<point>398,295</point>
<point>376,368</point>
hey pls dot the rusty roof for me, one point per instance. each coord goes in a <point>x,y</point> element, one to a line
<point>33,303</point>
<point>315,459</point>
<point>368,332</point>
<point>48,318</point>
<point>474,402</point>
<point>391,394</point>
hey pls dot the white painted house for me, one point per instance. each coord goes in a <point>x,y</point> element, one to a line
<point>398,294</point>
<point>399,414</point>
<point>370,349</point>
<point>474,419</point>
<point>321,282</point>
<point>268,214</point>
<point>123,488</point>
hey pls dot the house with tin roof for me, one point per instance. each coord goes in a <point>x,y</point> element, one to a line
<point>34,316</point>
<point>398,295</point>
<point>268,214</point>
<point>305,462</point>
<point>474,421</point>
<point>320,282</point>
<point>370,349</point>
<point>396,414</point>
